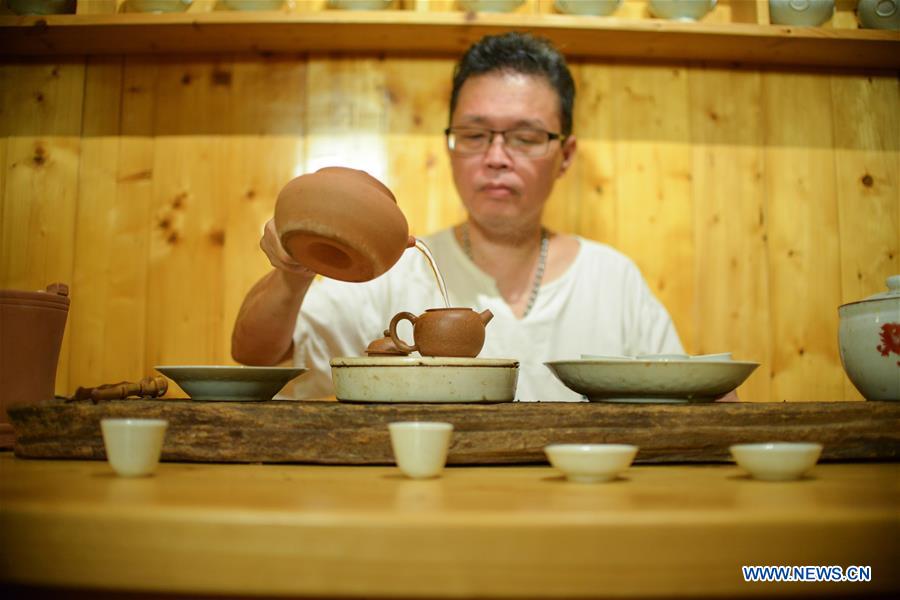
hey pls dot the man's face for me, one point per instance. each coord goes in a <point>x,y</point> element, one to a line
<point>501,190</point>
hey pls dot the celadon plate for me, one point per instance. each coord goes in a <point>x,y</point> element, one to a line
<point>230,383</point>
<point>652,381</point>
<point>412,379</point>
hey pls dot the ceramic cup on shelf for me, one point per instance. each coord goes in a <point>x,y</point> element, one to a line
<point>879,14</point>
<point>490,5</point>
<point>420,448</point>
<point>802,13</point>
<point>359,4</point>
<point>680,10</point>
<point>42,7</point>
<point>158,6</point>
<point>252,4</point>
<point>133,446</point>
<point>588,7</point>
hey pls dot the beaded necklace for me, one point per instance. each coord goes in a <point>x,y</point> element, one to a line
<point>538,275</point>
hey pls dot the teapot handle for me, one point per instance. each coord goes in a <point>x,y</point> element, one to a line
<point>393,331</point>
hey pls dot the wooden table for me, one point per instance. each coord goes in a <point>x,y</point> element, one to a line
<point>678,531</point>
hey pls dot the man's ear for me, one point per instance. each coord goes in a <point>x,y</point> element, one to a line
<point>568,154</point>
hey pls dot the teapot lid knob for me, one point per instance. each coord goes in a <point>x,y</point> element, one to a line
<point>893,282</point>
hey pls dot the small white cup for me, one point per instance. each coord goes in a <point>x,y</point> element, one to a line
<point>591,463</point>
<point>420,448</point>
<point>133,446</point>
<point>777,461</point>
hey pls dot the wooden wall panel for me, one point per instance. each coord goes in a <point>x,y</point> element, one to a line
<point>346,119</point>
<point>731,295</point>
<point>653,177</point>
<point>418,168</point>
<point>186,268</point>
<point>804,250</point>
<point>135,224</point>
<point>93,327</point>
<point>592,186</point>
<point>742,195</point>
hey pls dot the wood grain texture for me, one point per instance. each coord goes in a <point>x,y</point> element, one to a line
<point>99,241</point>
<point>654,183</point>
<point>731,295</point>
<point>804,286</point>
<point>339,433</point>
<point>416,113</point>
<point>589,190</point>
<point>476,532</point>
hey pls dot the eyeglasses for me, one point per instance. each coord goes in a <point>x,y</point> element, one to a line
<point>521,141</point>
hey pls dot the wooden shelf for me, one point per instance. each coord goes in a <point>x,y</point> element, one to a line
<point>421,33</point>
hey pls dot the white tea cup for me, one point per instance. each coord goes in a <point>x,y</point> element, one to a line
<point>133,446</point>
<point>420,448</point>
<point>591,463</point>
<point>777,461</point>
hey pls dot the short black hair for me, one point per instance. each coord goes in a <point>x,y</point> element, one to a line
<point>518,53</point>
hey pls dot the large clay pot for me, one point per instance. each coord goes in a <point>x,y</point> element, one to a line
<point>444,331</point>
<point>341,223</point>
<point>31,332</point>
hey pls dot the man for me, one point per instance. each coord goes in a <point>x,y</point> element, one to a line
<point>554,296</point>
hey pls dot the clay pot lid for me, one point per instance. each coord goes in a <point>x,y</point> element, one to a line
<point>892,293</point>
<point>384,346</point>
<point>56,295</point>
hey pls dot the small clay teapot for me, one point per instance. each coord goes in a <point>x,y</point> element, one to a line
<point>444,331</point>
<point>341,223</point>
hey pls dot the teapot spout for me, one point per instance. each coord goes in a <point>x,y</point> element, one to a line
<point>486,316</point>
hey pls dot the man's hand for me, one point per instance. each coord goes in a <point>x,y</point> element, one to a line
<point>275,252</point>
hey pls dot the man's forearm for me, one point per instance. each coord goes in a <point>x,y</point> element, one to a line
<point>263,331</point>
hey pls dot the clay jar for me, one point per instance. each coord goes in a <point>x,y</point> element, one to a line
<point>869,341</point>
<point>31,332</point>
<point>341,223</point>
<point>444,331</point>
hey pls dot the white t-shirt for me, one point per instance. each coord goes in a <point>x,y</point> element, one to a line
<point>600,305</point>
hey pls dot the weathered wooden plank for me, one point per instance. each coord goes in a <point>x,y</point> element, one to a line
<point>337,433</point>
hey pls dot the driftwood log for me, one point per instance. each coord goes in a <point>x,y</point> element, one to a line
<point>355,434</point>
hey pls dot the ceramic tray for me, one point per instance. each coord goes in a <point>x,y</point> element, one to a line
<point>424,379</point>
<point>230,383</point>
<point>669,380</point>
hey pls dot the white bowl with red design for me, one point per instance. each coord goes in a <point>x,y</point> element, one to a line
<point>869,338</point>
